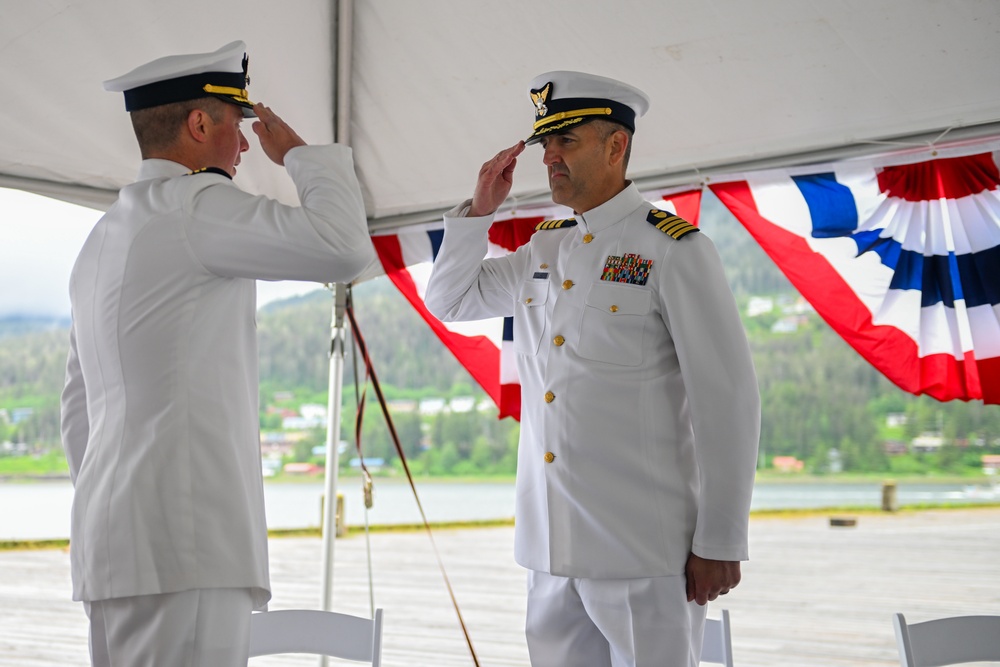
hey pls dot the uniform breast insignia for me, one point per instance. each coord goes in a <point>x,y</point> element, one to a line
<point>630,269</point>
<point>671,224</point>
<point>210,170</point>
<point>555,224</point>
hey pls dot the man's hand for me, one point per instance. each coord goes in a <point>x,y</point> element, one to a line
<point>495,179</point>
<point>708,579</point>
<point>276,137</point>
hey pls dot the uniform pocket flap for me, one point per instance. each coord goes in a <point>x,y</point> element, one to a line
<point>619,299</point>
<point>533,293</point>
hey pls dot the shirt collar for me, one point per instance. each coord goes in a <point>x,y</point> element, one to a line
<point>612,211</point>
<point>157,168</point>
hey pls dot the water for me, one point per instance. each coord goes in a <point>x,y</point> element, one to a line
<point>40,510</point>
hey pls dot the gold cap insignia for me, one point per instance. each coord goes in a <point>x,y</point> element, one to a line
<point>539,97</point>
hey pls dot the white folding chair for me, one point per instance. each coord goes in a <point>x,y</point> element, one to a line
<point>947,641</point>
<point>717,646</point>
<point>317,632</point>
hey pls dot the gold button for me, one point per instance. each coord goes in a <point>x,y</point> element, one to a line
<point>558,340</point>
<point>587,238</point>
<point>528,300</point>
<point>567,284</point>
<point>613,309</point>
<point>549,457</point>
<point>544,266</point>
<point>549,397</point>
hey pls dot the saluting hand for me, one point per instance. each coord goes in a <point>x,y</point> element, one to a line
<point>276,137</point>
<point>495,180</point>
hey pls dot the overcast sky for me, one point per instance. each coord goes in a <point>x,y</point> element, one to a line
<point>39,241</point>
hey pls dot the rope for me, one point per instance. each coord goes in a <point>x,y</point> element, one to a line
<point>373,377</point>
<point>366,478</point>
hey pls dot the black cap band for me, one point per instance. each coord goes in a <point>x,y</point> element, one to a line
<point>574,107</point>
<point>184,88</point>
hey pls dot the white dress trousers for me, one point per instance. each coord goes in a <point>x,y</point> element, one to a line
<point>612,622</point>
<point>199,628</point>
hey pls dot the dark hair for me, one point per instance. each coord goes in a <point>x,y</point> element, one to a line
<point>157,128</point>
<point>607,128</point>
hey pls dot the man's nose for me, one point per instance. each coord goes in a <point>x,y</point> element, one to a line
<point>244,144</point>
<point>551,155</point>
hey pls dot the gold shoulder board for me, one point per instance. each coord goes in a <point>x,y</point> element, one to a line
<point>671,224</point>
<point>555,224</point>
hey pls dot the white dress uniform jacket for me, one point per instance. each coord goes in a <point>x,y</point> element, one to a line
<point>160,407</point>
<point>640,409</point>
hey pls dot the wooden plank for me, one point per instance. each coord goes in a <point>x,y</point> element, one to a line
<point>812,594</point>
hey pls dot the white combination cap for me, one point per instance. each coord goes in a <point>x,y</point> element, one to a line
<point>221,74</point>
<point>564,100</point>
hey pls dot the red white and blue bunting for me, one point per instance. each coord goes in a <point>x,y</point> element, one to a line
<point>902,260</point>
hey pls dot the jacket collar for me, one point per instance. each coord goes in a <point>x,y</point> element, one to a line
<point>157,168</point>
<point>612,211</point>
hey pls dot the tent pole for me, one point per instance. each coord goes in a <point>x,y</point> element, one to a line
<point>334,400</point>
<point>342,106</point>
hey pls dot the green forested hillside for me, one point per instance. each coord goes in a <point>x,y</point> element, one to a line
<point>818,394</point>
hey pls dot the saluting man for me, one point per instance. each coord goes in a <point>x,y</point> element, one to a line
<point>640,406</point>
<point>160,408</point>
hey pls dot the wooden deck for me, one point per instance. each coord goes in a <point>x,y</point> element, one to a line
<point>813,595</point>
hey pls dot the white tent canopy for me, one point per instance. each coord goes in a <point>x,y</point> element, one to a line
<point>438,86</point>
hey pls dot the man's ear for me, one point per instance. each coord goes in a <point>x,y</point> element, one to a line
<point>618,144</point>
<point>198,123</point>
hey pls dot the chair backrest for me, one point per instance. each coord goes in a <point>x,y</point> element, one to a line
<point>947,641</point>
<point>717,646</point>
<point>317,632</point>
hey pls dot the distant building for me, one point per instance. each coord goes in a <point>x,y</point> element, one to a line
<point>14,448</point>
<point>798,307</point>
<point>787,464</point>
<point>302,469</point>
<point>785,325</point>
<point>310,416</point>
<point>18,415</point>
<point>991,464</point>
<point>895,419</point>
<point>281,412</point>
<point>462,404</point>
<point>432,406</point>
<point>282,396</point>
<point>759,305</point>
<point>313,411</point>
<point>276,445</point>
<point>927,442</point>
<point>374,463</point>
<point>402,405</point>
<point>894,447</point>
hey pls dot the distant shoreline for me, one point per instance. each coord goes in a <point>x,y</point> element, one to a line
<point>763,478</point>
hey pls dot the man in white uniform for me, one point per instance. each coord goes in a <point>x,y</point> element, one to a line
<point>640,407</point>
<point>160,407</point>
